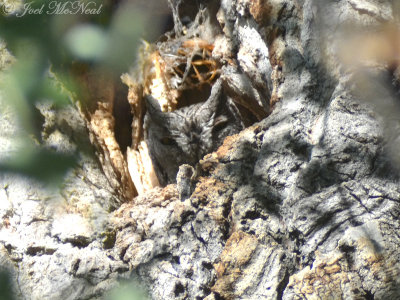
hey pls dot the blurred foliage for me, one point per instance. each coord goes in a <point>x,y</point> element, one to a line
<point>40,163</point>
<point>127,291</point>
<point>6,291</point>
<point>5,286</point>
<point>42,42</point>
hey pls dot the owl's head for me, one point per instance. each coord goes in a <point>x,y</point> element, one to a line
<point>184,136</point>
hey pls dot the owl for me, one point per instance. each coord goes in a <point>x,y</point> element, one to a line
<point>185,135</point>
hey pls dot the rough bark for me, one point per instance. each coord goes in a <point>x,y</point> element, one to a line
<point>302,205</point>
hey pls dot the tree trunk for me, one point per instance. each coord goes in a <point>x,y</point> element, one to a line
<point>301,205</point>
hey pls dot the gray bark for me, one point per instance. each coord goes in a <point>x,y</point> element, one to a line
<point>302,205</point>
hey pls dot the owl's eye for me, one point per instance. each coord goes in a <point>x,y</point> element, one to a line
<point>220,123</point>
<point>167,141</point>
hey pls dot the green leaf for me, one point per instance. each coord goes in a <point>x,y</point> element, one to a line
<point>39,163</point>
<point>87,42</point>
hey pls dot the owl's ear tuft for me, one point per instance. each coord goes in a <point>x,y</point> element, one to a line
<point>152,104</point>
<point>153,108</point>
<point>215,97</point>
<point>210,107</point>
